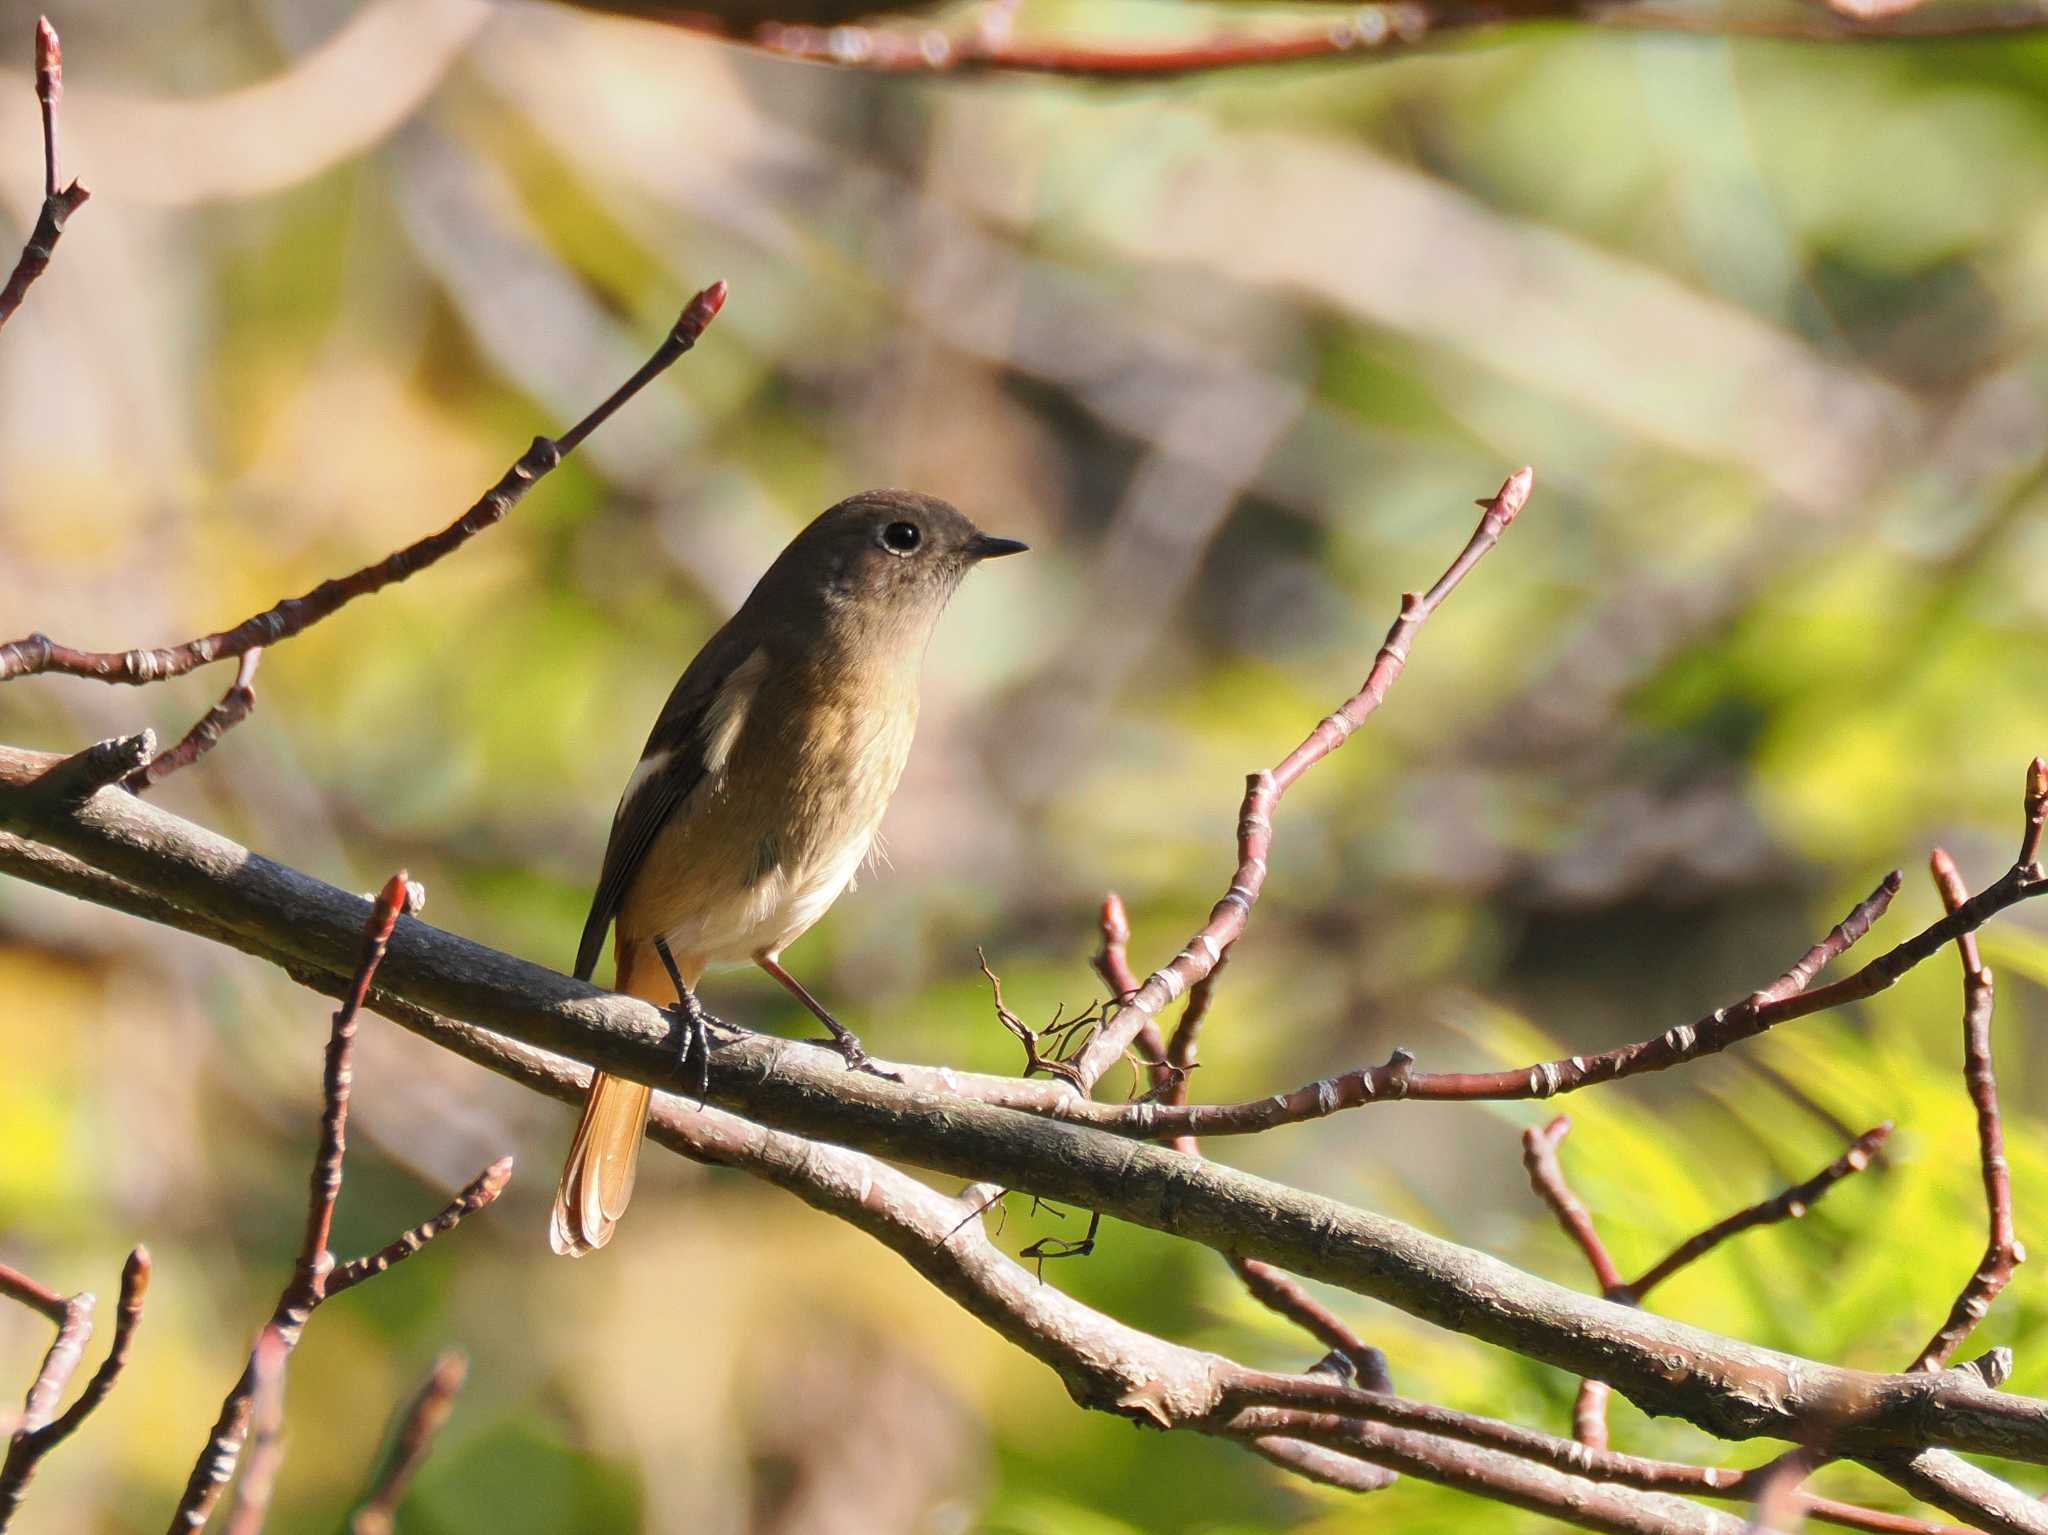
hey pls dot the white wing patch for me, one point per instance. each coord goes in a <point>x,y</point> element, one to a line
<point>722,722</point>
<point>728,711</point>
<point>643,771</point>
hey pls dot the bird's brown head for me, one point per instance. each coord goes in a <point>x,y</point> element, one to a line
<point>883,562</point>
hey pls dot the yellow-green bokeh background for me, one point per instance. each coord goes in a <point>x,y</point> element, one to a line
<point>1234,356</point>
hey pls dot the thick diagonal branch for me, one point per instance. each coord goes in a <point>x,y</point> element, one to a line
<point>195,878</point>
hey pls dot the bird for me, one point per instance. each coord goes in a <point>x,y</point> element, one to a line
<point>756,799</point>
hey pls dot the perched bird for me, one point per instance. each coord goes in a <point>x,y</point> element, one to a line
<point>757,796</point>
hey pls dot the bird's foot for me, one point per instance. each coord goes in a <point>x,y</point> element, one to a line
<point>693,1030</point>
<point>848,1044</point>
<point>692,1024</point>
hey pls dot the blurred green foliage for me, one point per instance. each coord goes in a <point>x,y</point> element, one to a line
<point>1234,355</point>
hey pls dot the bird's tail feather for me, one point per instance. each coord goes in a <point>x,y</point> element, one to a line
<point>597,1179</point>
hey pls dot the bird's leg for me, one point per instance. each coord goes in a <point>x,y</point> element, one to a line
<point>690,1017</point>
<point>847,1041</point>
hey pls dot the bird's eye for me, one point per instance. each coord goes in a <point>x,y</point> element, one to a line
<point>901,537</point>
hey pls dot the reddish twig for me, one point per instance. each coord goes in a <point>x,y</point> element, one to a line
<point>1717,1031</point>
<point>1781,1508</point>
<point>2002,1249</point>
<point>1186,1045</point>
<point>423,1419</point>
<point>480,1191</point>
<point>1332,1414</point>
<point>1539,1156</point>
<point>1113,959</point>
<point>314,1272</point>
<point>1329,1468</point>
<point>1374,31</point>
<point>1113,964</point>
<point>32,1293</point>
<point>1281,1293</point>
<point>41,1428</point>
<point>59,203</point>
<point>1546,1177</point>
<point>1274,1288</point>
<point>1264,790</point>
<point>39,653</point>
<point>1589,1413</point>
<point>39,1410</point>
<point>266,1436</point>
<point>1521,1466</point>
<point>2037,815</point>
<point>930,50</point>
<point>233,708</point>
<point>1788,1206</point>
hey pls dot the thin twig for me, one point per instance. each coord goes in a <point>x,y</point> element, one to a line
<point>39,653</point>
<point>233,708</point>
<point>1397,1079</point>
<point>1113,963</point>
<point>1539,1156</point>
<point>1781,1508</point>
<point>1264,790</point>
<point>481,1191</point>
<point>40,1429</point>
<point>1113,960</point>
<point>1373,31</point>
<point>891,50</point>
<point>34,1294</point>
<point>1283,1294</point>
<point>1589,1413</point>
<point>1790,1205</point>
<point>315,1275</point>
<point>1273,1288</point>
<point>2037,814</point>
<point>59,203</point>
<point>266,1437</point>
<point>60,1362</point>
<point>1325,1406</point>
<point>2002,1249</point>
<point>1326,1467</point>
<point>1546,1176</point>
<point>420,1424</point>
<point>1034,1059</point>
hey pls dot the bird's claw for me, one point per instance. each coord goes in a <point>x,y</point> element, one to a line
<point>693,1025</point>
<point>848,1044</point>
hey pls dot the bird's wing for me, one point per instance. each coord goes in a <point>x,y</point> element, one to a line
<point>671,765</point>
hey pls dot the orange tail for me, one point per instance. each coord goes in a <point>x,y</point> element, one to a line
<point>598,1177</point>
<point>597,1180</point>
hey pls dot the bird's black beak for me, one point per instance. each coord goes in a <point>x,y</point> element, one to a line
<point>983,547</point>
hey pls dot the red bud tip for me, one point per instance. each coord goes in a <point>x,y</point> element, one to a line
<point>697,314</point>
<point>49,61</point>
<point>1116,922</point>
<point>1513,495</point>
<point>1947,879</point>
<point>2037,779</point>
<point>135,1273</point>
